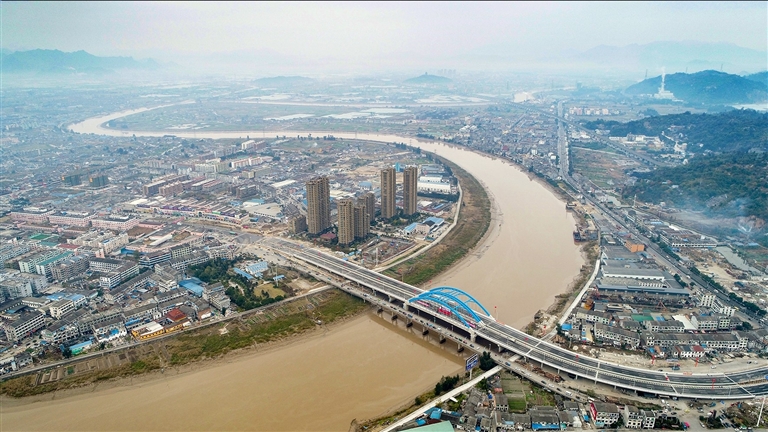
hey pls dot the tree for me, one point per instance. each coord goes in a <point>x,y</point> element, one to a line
<point>486,362</point>
<point>483,385</point>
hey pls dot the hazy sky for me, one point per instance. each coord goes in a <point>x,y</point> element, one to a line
<point>373,32</point>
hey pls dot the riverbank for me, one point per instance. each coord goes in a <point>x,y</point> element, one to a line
<point>274,324</point>
<point>471,228</point>
<point>256,389</point>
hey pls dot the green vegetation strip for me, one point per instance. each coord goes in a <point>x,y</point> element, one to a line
<point>199,344</point>
<point>26,385</point>
<point>474,220</point>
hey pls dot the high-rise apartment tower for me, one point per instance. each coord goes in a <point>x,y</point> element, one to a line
<point>318,205</point>
<point>388,186</point>
<point>410,183</point>
<point>369,199</point>
<point>346,221</point>
<point>362,223</point>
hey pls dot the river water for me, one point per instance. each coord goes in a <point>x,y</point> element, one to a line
<point>360,369</point>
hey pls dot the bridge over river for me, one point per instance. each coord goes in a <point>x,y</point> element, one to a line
<point>454,314</point>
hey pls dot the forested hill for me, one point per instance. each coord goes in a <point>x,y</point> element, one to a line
<point>761,77</point>
<point>428,79</point>
<point>708,87</point>
<point>58,62</point>
<point>736,130</point>
<point>730,184</point>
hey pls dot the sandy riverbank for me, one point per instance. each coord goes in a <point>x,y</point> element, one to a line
<point>273,387</point>
<point>196,366</point>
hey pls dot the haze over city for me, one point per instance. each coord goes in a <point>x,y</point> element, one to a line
<point>366,37</point>
<point>386,217</point>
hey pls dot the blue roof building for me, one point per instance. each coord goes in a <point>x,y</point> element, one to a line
<point>434,221</point>
<point>192,286</point>
<point>243,274</point>
<point>410,228</point>
<point>257,267</point>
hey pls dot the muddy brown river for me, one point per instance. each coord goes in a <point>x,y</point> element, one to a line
<point>359,369</point>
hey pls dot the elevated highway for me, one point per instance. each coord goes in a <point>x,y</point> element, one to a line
<point>456,315</point>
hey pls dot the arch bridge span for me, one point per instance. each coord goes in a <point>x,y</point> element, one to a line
<point>453,302</point>
<point>468,322</point>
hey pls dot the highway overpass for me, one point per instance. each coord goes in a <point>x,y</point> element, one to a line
<point>456,315</point>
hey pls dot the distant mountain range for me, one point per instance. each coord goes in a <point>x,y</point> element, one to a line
<point>676,56</point>
<point>761,77</point>
<point>708,87</point>
<point>428,79</point>
<point>58,62</point>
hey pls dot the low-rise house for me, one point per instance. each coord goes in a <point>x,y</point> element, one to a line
<point>617,335</point>
<point>649,419</point>
<point>24,326</point>
<point>501,402</point>
<point>61,307</point>
<point>110,330</point>
<point>604,414</point>
<point>633,419</point>
<point>593,316</point>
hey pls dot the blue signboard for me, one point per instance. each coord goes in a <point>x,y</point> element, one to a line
<point>472,361</point>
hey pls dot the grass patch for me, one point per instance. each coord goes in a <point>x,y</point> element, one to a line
<point>25,385</point>
<point>538,397</point>
<point>208,343</point>
<point>517,405</point>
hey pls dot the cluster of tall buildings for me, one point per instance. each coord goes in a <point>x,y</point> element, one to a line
<point>355,216</point>
<point>389,186</point>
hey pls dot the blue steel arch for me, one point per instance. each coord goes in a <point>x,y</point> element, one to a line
<point>448,306</point>
<point>459,292</point>
<point>442,295</point>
